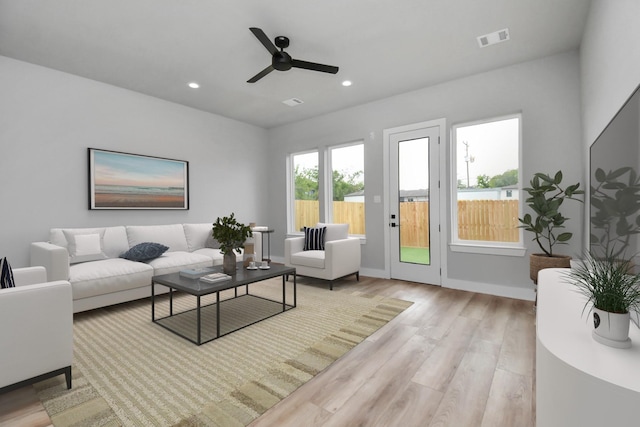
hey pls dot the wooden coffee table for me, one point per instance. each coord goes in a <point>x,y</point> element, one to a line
<point>211,321</point>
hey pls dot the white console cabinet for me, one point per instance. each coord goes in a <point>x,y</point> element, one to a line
<point>580,382</point>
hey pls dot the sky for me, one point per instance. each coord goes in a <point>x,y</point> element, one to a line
<point>125,169</point>
<point>493,149</point>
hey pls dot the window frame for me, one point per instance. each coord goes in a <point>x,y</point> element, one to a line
<point>329,180</point>
<point>483,246</point>
<point>325,185</point>
<point>291,188</point>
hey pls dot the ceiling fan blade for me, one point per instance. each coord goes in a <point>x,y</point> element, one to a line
<point>313,66</point>
<point>261,74</point>
<point>266,41</point>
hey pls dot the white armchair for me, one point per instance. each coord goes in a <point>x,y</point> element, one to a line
<point>340,258</point>
<point>37,329</point>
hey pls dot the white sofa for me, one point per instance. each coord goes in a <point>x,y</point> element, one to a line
<point>37,329</point>
<point>340,257</point>
<point>112,280</point>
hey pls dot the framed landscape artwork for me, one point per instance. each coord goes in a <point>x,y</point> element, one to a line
<point>131,181</point>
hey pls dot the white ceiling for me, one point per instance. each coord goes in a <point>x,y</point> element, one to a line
<point>385,47</point>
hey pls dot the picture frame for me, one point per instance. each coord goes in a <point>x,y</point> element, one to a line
<point>124,181</point>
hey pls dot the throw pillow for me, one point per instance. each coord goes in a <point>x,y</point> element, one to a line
<point>6,274</point>
<point>314,238</point>
<point>144,251</point>
<point>83,247</point>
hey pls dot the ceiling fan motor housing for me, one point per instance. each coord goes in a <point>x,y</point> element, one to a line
<point>281,61</point>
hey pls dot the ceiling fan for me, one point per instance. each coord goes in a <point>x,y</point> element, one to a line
<point>281,60</point>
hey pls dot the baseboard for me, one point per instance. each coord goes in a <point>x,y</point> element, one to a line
<point>374,272</point>
<point>524,292</point>
<point>516,292</point>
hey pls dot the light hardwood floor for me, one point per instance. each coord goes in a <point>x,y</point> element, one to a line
<point>453,358</point>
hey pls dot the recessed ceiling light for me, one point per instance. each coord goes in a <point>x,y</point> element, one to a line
<point>193,85</point>
<point>346,83</point>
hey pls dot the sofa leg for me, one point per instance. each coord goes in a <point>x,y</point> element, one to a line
<point>67,376</point>
<point>331,285</point>
<point>357,276</point>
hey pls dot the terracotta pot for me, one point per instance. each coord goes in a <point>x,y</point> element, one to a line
<point>611,329</point>
<point>229,263</point>
<point>538,262</point>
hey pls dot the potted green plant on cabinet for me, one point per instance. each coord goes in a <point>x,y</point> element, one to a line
<point>546,196</point>
<point>610,286</point>
<point>231,235</point>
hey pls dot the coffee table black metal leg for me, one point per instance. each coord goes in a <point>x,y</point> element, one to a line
<point>153,302</point>
<point>295,296</point>
<point>199,324</point>
<point>284,295</point>
<point>170,301</point>
<point>217,314</point>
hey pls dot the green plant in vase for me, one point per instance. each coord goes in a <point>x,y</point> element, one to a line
<point>609,285</point>
<point>231,236</point>
<point>546,196</point>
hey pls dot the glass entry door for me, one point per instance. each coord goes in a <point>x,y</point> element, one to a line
<point>414,205</point>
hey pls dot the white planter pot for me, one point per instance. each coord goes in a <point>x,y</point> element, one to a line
<point>611,329</point>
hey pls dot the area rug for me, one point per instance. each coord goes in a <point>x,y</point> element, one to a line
<point>128,371</point>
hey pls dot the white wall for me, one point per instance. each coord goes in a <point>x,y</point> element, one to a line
<point>48,119</point>
<point>609,62</point>
<point>546,91</point>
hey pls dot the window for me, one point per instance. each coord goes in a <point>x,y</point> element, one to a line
<point>332,191</point>
<point>347,173</point>
<point>486,170</point>
<point>305,206</point>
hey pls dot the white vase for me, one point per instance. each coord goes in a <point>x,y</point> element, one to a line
<point>611,329</point>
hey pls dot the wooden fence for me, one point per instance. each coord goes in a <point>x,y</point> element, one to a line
<point>490,220</point>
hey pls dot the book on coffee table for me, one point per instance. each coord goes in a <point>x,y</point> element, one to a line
<point>194,273</point>
<point>215,277</point>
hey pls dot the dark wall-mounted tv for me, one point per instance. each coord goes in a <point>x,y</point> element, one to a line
<point>615,185</point>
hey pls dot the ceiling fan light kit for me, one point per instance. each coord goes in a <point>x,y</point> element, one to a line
<point>281,60</point>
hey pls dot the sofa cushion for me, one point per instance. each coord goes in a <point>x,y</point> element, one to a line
<point>211,253</point>
<point>314,238</point>
<point>106,276</point>
<point>114,239</point>
<point>172,262</point>
<point>144,251</point>
<point>84,246</point>
<point>200,236</point>
<point>334,231</point>
<point>171,235</point>
<point>314,259</point>
<point>6,275</point>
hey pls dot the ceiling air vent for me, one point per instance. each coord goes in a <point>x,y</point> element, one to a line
<point>293,102</point>
<point>493,38</point>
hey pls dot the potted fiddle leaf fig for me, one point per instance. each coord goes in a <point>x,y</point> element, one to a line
<point>231,235</point>
<point>546,196</point>
<point>609,285</point>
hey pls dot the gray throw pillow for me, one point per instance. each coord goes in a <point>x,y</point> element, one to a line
<point>145,251</point>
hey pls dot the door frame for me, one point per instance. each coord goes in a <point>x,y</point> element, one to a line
<point>443,175</point>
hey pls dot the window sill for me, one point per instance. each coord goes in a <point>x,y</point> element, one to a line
<point>488,250</point>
